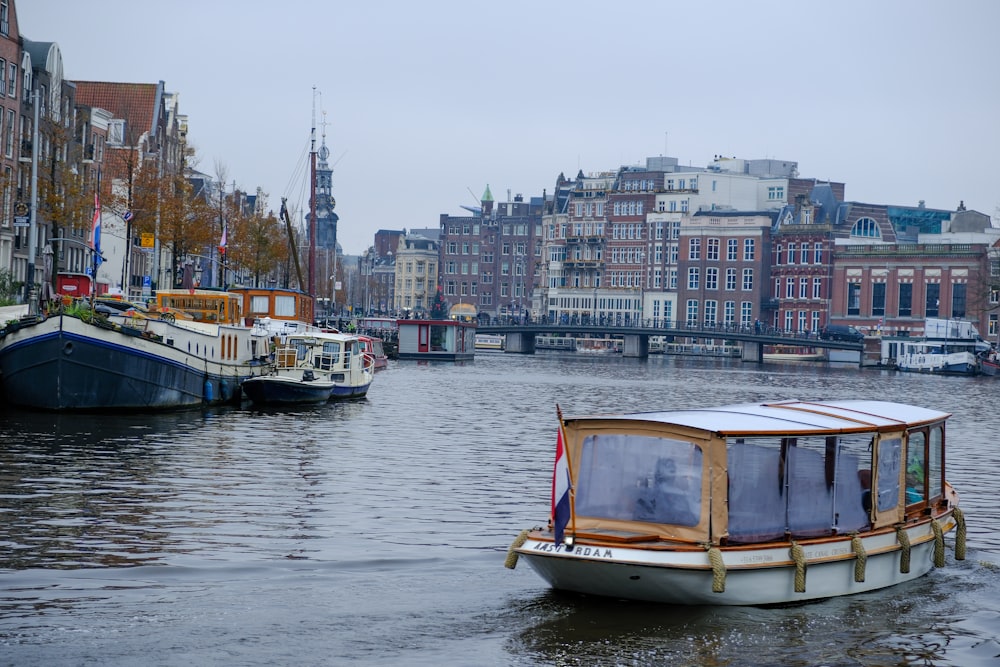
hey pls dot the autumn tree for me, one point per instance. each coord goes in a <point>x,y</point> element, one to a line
<point>65,197</point>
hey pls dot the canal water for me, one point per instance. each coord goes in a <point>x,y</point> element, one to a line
<point>374,532</point>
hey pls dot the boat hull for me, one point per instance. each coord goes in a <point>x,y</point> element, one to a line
<point>279,390</point>
<point>758,575</point>
<point>65,364</point>
<point>955,363</point>
<point>344,391</point>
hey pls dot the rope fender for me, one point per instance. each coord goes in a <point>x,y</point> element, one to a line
<point>799,556</point>
<point>959,534</point>
<point>904,556</point>
<point>511,561</point>
<point>860,558</point>
<point>938,543</point>
<point>718,570</point>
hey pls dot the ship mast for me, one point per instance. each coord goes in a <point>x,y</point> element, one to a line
<point>312,202</point>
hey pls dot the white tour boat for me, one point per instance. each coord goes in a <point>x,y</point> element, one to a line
<point>750,504</point>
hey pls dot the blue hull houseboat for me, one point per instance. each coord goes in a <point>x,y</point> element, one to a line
<point>446,340</point>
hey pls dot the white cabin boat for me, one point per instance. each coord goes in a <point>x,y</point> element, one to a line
<point>747,504</point>
<point>314,367</point>
<point>947,347</point>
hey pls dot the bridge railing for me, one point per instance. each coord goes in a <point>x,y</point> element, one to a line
<point>668,327</point>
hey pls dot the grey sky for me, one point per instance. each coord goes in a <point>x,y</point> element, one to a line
<point>427,101</point>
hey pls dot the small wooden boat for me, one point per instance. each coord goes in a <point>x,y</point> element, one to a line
<point>751,504</point>
<point>313,367</point>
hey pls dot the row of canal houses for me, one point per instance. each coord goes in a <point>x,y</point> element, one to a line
<point>62,141</point>
<point>735,243</point>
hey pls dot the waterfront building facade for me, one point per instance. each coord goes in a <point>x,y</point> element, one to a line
<point>490,259</point>
<point>725,257</point>
<point>416,273</point>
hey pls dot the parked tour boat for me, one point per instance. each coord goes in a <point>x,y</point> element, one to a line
<point>313,367</point>
<point>947,347</point>
<point>489,342</point>
<point>191,349</point>
<point>793,353</point>
<point>747,504</point>
<point>598,345</point>
<point>564,343</point>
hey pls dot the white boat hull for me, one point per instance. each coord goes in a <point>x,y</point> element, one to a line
<point>754,575</point>
<point>964,363</point>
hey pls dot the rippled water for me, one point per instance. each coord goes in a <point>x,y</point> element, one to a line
<point>374,532</point>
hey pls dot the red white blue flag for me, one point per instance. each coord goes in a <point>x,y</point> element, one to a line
<point>560,491</point>
<point>95,231</point>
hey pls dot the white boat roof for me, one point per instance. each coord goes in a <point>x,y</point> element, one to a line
<point>789,417</point>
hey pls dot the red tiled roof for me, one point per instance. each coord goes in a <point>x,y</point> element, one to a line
<point>133,102</point>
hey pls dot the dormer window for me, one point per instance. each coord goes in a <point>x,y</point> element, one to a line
<point>866,228</point>
<point>116,132</point>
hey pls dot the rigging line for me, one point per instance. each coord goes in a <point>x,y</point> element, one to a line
<point>301,168</point>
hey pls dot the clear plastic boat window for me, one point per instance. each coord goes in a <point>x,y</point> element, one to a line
<point>640,478</point>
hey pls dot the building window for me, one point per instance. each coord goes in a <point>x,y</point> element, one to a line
<point>692,311</point>
<point>789,319</point>
<point>817,253</point>
<point>905,299</point>
<point>776,193</point>
<point>817,288</point>
<point>711,312</point>
<point>789,287</point>
<point>693,278</point>
<point>749,250</point>
<point>732,250</point>
<point>116,132</point>
<point>958,300</point>
<point>878,300</point>
<point>729,312</point>
<point>730,280</point>
<point>866,228</point>
<point>694,249</point>
<point>803,288</point>
<point>747,280</point>
<point>12,80</point>
<point>712,250</point>
<point>853,299</point>
<point>712,278</point>
<point>746,313</point>
<point>791,253</point>
<point>804,253</point>
<point>933,300</point>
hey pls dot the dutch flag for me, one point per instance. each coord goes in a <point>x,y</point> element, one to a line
<point>560,491</point>
<point>95,231</point>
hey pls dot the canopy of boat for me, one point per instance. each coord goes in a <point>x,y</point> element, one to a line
<point>789,417</point>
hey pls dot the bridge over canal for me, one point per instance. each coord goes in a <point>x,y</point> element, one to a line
<point>520,337</point>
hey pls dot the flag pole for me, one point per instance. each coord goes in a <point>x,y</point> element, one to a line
<point>569,467</point>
